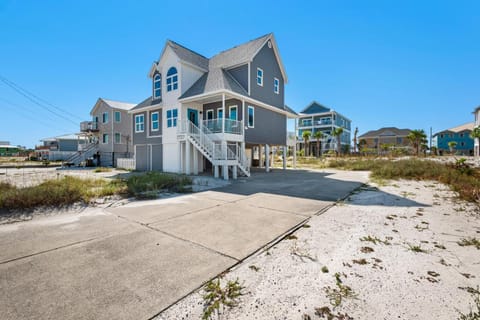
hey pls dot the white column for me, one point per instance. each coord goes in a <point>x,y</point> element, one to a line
<point>195,161</point>
<point>295,146</point>
<point>225,172</point>
<point>260,155</point>
<point>244,123</point>
<point>267,158</point>
<point>285,148</point>
<point>234,174</point>
<point>187,157</point>
<point>180,157</point>
<point>223,113</point>
<point>216,174</point>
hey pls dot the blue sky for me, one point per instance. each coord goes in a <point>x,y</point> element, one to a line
<point>409,64</point>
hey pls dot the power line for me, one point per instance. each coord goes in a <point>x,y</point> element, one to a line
<point>35,99</point>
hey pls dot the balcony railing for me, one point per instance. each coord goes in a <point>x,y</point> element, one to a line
<point>231,126</point>
<point>86,126</point>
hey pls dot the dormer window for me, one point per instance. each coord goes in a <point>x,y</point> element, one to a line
<point>260,77</point>
<point>157,86</point>
<point>172,79</point>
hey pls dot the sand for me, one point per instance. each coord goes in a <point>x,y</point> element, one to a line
<point>287,281</point>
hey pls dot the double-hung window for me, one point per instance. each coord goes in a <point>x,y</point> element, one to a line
<point>172,118</point>
<point>118,116</point>
<point>251,117</point>
<point>154,121</point>
<point>260,77</point>
<point>139,123</point>
<point>118,138</point>
<point>105,117</point>
<point>105,138</point>
<point>276,85</point>
<point>157,86</point>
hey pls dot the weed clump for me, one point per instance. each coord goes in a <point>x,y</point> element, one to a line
<point>148,185</point>
<point>469,242</point>
<point>216,297</point>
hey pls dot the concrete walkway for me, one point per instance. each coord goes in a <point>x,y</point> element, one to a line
<point>133,261</point>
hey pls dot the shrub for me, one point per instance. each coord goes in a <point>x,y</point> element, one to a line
<point>56,193</point>
<point>152,182</point>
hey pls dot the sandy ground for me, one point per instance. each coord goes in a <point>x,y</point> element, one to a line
<point>287,281</point>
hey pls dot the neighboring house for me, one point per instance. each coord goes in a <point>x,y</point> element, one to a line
<point>460,135</point>
<point>316,117</point>
<point>212,114</point>
<point>476,142</point>
<point>60,147</point>
<point>390,137</point>
<point>7,150</point>
<point>110,130</point>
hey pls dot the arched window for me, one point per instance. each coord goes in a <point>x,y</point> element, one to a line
<point>172,79</point>
<point>157,86</point>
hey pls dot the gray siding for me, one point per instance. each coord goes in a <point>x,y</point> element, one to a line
<point>266,60</point>
<point>241,75</point>
<point>68,145</point>
<point>218,105</point>
<point>269,127</point>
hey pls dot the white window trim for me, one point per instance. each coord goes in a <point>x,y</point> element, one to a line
<point>143,122</point>
<point>103,117</point>
<point>171,118</point>
<point>230,112</point>
<point>115,118</point>
<point>276,89</point>
<point>248,117</point>
<point>151,121</point>
<point>218,113</point>
<point>173,82</point>
<point>115,138</point>
<point>210,111</point>
<point>261,78</point>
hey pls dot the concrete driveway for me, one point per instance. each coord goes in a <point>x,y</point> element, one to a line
<point>131,262</point>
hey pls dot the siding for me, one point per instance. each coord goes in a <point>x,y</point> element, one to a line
<point>270,127</point>
<point>267,61</point>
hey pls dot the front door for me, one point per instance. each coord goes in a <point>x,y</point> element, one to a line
<point>193,116</point>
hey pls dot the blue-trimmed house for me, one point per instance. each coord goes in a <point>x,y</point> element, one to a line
<point>460,135</point>
<point>316,117</point>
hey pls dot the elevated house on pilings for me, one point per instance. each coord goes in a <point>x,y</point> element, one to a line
<point>218,114</point>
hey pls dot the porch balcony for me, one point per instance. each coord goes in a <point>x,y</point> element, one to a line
<point>88,126</point>
<point>216,129</point>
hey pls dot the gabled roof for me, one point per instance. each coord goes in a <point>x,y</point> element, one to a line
<point>288,109</point>
<point>214,80</point>
<point>386,132</point>
<point>464,127</point>
<point>148,102</point>
<point>113,104</point>
<point>217,76</point>
<point>315,107</point>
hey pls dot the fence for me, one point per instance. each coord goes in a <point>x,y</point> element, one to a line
<point>126,163</point>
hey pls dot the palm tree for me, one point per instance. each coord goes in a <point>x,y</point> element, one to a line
<point>475,135</point>
<point>451,146</point>
<point>417,138</point>
<point>355,146</point>
<point>306,137</point>
<point>337,132</point>
<point>318,135</point>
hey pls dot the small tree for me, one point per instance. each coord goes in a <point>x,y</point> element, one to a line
<point>318,135</point>
<point>475,135</point>
<point>451,146</point>
<point>337,132</point>
<point>417,138</point>
<point>306,138</point>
